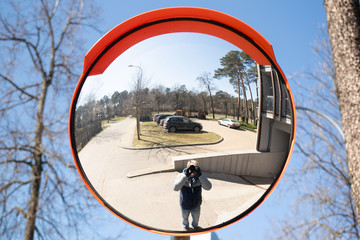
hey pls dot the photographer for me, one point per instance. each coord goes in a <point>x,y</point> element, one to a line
<point>190,182</point>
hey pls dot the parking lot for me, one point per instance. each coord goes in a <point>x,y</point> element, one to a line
<point>233,139</point>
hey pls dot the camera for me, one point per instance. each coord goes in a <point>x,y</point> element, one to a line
<point>192,168</point>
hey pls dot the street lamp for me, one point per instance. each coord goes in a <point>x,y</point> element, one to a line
<point>141,71</point>
<point>332,121</point>
<point>137,67</point>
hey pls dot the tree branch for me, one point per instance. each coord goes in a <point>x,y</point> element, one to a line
<point>21,89</point>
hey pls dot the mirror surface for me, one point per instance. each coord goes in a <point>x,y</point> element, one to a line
<point>241,144</point>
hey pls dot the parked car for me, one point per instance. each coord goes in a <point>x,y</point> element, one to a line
<point>175,123</point>
<point>162,121</point>
<point>231,123</point>
<point>162,116</point>
<point>155,117</point>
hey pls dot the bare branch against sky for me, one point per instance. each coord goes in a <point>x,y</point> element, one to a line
<point>324,207</point>
<point>40,194</point>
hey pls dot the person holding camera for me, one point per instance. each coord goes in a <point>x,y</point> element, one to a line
<point>190,183</point>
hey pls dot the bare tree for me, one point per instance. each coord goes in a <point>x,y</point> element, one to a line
<point>223,100</point>
<point>158,94</point>
<point>179,97</point>
<point>343,18</point>
<point>203,98</point>
<point>324,208</point>
<point>40,193</point>
<point>139,85</point>
<point>206,81</point>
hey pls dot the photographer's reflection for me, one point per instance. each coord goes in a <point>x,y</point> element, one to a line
<point>190,182</point>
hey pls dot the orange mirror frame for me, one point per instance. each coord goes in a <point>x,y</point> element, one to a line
<point>174,20</point>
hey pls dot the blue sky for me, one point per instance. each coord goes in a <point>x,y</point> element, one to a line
<point>170,60</point>
<point>290,26</point>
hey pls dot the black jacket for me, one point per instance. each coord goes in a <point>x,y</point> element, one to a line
<point>190,190</point>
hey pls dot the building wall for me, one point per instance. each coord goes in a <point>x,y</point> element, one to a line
<point>240,163</point>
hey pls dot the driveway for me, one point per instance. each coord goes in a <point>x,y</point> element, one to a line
<point>150,199</point>
<point>234,139</point>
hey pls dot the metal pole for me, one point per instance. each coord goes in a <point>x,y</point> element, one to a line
<point>180,238</point>
<point>137,67</point>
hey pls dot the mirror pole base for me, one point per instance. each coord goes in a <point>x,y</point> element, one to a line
<point>180,238</point>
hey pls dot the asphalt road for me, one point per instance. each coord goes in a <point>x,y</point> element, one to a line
<point>234,139</point>
<point>149,199</point>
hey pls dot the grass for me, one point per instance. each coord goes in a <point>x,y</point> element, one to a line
<point>243,125</point>
<point>153,135</point>
<point>248,126</point>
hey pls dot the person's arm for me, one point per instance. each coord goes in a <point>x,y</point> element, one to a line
<point>205,183</point>
<point>180,181</point>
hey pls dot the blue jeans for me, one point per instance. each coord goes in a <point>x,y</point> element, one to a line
<point>195,214</point>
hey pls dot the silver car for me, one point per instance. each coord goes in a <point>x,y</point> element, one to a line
<point>231,123</point>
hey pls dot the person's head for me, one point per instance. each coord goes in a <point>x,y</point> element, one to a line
<point>192,162</point>
<point>192,165</point>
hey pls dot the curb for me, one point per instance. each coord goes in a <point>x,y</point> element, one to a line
<point>148,171</point>
<point>174,146</point>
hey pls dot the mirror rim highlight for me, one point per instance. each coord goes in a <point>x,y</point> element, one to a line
<point>156,23</point>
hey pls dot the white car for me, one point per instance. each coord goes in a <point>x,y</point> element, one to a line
<point>231,123</point>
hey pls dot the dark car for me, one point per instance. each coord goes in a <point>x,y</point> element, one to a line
<point>176,123</point>
<point>161,117</point>
<point>162,121</point>
<point>155,117</point>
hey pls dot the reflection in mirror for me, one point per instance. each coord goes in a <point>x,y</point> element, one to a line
<point>175,98</point>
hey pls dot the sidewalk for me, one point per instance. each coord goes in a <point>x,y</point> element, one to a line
<point>151,200</point>
<point>139,183</point>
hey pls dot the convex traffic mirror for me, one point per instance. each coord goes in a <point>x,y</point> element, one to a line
<point>182,120</point>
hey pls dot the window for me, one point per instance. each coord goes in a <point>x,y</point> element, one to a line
<point>267,89</point>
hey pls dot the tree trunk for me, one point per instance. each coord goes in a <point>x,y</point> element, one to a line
<point>212,103</point>
<point>245,101</point>
<point>138,120</point>
<point>252,100</point>
<point>343,17</point>
<point>37,166</point>
<point>238,101</point>
<point>138,126</point>
<point>241,80</point>
<point>226,108</point>
<point>34,199</point>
